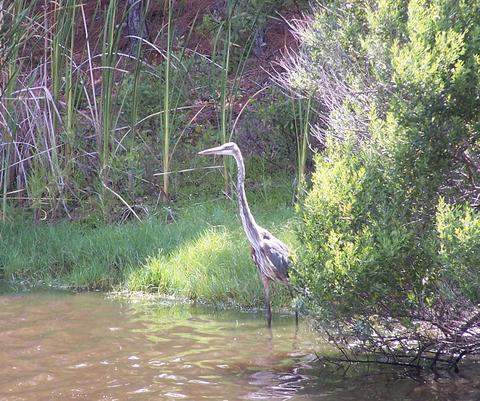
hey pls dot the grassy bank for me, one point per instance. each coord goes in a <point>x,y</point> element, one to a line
<point>202,255</point>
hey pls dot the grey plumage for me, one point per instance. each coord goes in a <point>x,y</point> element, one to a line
<point>269,254</point>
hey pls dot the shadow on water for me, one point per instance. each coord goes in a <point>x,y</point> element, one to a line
<point>62,346</point>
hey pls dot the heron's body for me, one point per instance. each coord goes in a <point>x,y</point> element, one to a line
<point>269,254</point>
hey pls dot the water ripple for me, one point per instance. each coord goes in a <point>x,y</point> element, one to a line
<point>58,346</point>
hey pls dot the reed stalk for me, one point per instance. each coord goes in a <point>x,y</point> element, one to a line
<point>138,68</point>
<point>166,105</point>
<point>61,74</point>
<point>71,95</point>
<point>301,111</point>
<point>70,91</point>
<point>230,88</point>
<point>108,60</point>
<point>224,95</point>
<point>10,42</point>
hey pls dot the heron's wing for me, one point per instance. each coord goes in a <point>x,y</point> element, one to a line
<point>277,252</point>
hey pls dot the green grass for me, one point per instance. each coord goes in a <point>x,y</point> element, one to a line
<point>202,256</point>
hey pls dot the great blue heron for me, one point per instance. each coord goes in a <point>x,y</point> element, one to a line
<point>269,254</point>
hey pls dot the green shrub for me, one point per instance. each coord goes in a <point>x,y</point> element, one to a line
<point>398,84</point>
<point>373,204</point>
<point>359,248</point>
<point>458,229</point>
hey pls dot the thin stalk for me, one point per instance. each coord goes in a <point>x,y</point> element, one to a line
<point>229,90</point>
<point>61,69</point>
<point>70,88</point>
<point>136,79</point>
<point>224,93</point>
<point>166,105</point>
<point>301,131</point>
<point>242,63</point>
<point>109,57</point>
<point>235,85</point>
<point>13,36</point>
<point>179,83</point>
<point>56,54</point>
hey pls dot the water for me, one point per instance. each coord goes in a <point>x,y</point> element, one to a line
<point>62,346</point>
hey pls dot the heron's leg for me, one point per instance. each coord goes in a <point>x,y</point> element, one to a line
<point>268,310</point>
<point>296,308</point>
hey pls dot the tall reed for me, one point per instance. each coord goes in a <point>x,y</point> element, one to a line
<point>12,36</point>
<point>177,74</point>
<point>62,67</point>
<point>224,101</point>
<point>301,110</point>
<point>229,88</point>
<point>108,59</point>
<point>166,105</point>
<point>60,60</point>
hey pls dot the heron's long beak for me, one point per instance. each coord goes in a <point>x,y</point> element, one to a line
<point>211,151</point>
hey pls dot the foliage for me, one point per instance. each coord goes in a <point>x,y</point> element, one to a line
<point>458,229</point>
<point>99,125</point>
<point>399,98</point>
<point>198,270</point>
<point>242,22</point>
<point>359,247</point>
<point>203,255</point>
<point>274,123</point>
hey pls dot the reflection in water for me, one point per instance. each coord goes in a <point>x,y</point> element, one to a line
<point>59,346</point>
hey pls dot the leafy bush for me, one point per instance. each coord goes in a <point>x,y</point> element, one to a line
<point>398,86</point>
<point>405,76</point>
<point>359,248</point>
<point>458,230</point>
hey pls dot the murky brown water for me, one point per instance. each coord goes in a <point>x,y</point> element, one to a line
<point>60,346</point>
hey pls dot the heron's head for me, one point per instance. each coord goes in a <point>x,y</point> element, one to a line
<point>229,148</point>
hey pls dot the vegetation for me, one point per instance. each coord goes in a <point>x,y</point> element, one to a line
<point>90,129</point>
<point>202,255</point>
<point>99,132</point>
<point>390,229</point>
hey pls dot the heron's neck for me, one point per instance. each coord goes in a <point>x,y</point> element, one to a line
<point>249,223</point>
